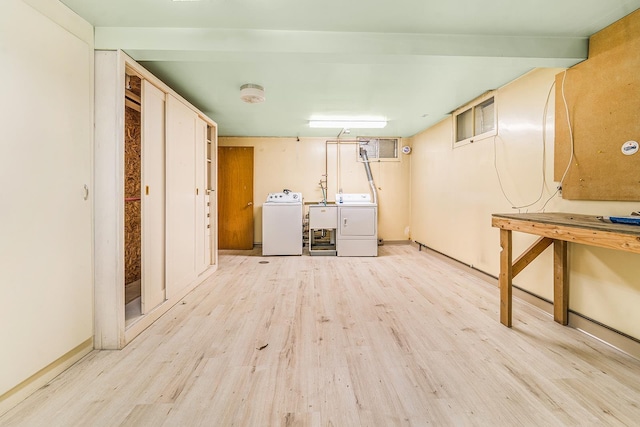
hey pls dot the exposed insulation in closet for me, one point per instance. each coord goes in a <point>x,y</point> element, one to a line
<point>132,193</point>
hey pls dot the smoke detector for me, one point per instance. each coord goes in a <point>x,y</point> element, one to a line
<point>251,93</point>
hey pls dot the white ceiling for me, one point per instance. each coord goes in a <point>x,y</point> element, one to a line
<point>409,61</point>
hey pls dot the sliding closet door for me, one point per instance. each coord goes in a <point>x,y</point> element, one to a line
<point>202,259</point>
<point>181,191</point>
<point>153,199</point>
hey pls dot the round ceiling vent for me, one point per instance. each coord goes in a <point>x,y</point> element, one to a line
<point>252,93</point>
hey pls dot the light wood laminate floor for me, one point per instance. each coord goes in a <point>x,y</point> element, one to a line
<point>402,339</point>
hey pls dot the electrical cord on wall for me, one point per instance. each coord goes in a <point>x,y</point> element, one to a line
<point>544,162</point>
<point>566,110</point>
<point>544,148</point>
<point>495,166</point>
<point>571,143</point>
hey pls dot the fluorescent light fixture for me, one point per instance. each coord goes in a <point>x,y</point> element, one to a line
<point>348,124</point>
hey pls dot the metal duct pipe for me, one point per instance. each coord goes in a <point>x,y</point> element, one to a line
<point>367,168</point>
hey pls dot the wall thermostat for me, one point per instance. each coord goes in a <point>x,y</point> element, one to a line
<point>406,149</point>
<point>630,147</point>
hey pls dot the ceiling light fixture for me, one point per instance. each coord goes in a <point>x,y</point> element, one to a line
<point>348,124</point>
<point>252,93</point>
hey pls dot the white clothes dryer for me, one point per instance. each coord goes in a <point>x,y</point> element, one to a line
<point>357,225</point>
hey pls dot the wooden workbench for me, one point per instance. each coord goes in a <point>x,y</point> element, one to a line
<point>559,229</point>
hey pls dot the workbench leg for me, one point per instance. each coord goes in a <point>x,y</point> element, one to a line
<point>560,283</point>
<point>506,277</point>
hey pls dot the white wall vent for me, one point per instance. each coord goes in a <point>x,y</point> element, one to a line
<point>379,148</point>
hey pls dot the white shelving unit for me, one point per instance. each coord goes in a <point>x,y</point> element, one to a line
<point>177,204</point>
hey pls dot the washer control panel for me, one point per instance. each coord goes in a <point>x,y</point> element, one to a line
<point>284,197</point>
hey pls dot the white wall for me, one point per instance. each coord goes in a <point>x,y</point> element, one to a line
<point>455,191</point>
<point>46,116</point>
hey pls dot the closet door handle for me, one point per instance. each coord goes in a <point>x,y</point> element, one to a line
<point>85,194</point>
<point>250,204</point>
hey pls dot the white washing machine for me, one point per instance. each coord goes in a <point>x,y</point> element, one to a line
<point>282,224</point>
<point>357,225</point>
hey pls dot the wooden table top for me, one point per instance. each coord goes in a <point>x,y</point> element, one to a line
<point>590,222</point>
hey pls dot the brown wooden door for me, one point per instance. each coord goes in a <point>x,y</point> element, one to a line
<point>235,197</point>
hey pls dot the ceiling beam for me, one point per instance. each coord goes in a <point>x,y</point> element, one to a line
<point>249,43</point>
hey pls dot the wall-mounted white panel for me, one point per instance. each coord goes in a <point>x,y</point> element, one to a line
<point>46,116</point>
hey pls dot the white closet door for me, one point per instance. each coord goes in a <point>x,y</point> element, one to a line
<point>201,261</point>
<point>181,189</point>
<point>153,207</point>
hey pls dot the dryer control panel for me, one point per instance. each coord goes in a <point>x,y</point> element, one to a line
<point>354,198</point>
